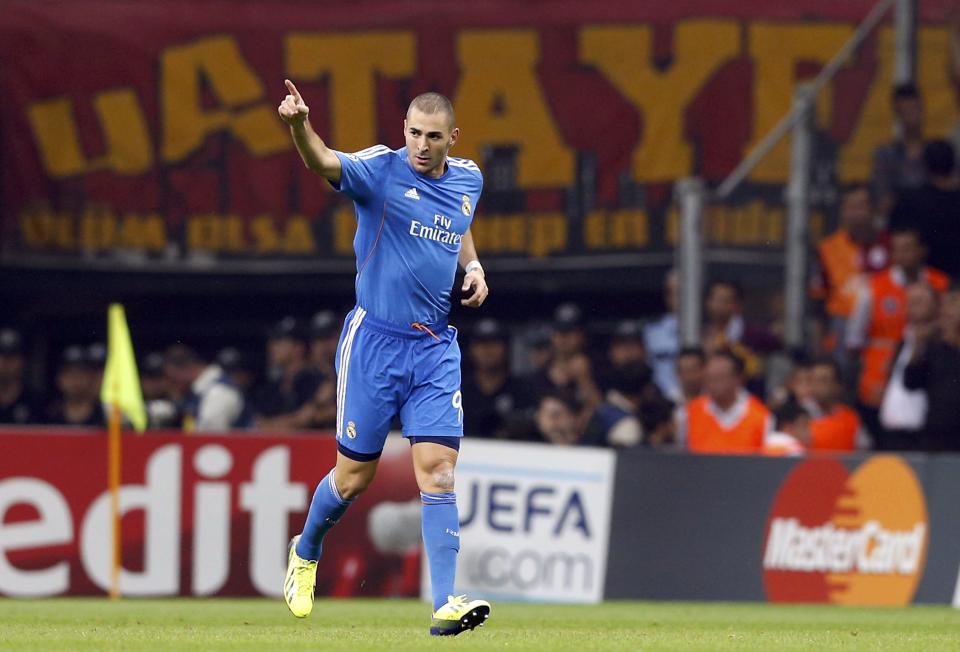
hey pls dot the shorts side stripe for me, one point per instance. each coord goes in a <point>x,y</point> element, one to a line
<point>345,367</point>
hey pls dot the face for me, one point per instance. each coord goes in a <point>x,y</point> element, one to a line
<point>488,355</point>
<point>323,351</point>
<point>950,311</point>
<point>429,138</point>
<point>921,304</point>
<point>283,351</point>
<point>690,374</point>
<point>11,367</point>
<point>800,383</point>
<point>556,421</point>
<point>856,213</point>
<point>906,250</point>
<point>76,382</point>
<point>567,343</point>
<point>623,352</point>
<point>722,303</point>
<point>824,385</point>
<point>154,387</point>
<point>909,112</point>
<point>721,380</point>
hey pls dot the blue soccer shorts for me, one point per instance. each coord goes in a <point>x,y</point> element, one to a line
<point>385,369</point>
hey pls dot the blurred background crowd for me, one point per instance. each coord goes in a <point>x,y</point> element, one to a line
<point>882,369</point>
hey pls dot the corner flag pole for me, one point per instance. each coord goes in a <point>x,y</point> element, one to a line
<point>113,480</point>
<point>122,395</point>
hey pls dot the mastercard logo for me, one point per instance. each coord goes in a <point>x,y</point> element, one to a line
<point>846,538</point>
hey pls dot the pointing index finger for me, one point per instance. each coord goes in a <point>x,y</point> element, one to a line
<point>293,90</point>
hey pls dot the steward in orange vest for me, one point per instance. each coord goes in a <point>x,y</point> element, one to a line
<point>835,427</point>
<point>876,327</point>
<point>727,419</point>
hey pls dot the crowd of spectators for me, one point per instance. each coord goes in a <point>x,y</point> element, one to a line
<point>882,368</point>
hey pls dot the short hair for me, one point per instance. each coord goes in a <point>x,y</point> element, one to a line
<point>631,378</point>
<point>431,103</point>
<point>905,92</point>
<point>727,354</point>
<point>692,352</point>
<point>790,412</point>
<point>729,283</point>
<point>939,158</point>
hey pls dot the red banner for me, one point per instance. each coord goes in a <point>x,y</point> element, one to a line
<point>145,135</point>
<point>201,516</point>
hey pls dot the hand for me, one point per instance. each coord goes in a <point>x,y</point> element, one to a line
<point>475,280</point>
<point>292,109</point>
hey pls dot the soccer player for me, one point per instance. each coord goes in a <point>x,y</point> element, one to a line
<point>397,354</point>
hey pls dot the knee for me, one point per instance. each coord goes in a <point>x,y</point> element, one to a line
<point>441,476</point>
<point>351,485</point>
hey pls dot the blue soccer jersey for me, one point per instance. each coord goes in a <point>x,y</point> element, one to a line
<point>409,231</point>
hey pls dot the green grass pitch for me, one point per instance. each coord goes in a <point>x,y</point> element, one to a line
<point>359,625</point>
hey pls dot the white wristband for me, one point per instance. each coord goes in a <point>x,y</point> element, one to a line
<point>472,265</point>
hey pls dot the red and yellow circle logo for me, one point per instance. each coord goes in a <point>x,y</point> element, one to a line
<point>842,538</point>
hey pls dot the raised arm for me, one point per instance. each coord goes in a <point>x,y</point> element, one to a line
<point>314,152</point>
<point>474,277</point>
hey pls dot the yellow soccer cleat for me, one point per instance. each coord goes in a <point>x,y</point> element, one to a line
<point>459,615</point>
<point>300,582</point>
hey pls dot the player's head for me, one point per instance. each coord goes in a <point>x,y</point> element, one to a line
<point>430,131</point>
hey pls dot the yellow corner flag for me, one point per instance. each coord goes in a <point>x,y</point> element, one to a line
<point>121,382</point>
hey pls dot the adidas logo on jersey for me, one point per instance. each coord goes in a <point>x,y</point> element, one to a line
<point>412,194</point>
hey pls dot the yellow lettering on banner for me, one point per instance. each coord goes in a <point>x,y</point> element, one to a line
<point>186,123</point>
<point>754,224</point>
<point>625,56</point>
<point>535,234</point>
<point>231,234</point>
<point>344,229</point>
<point>42,228</point>
<point>499,102</point>
<point>351,62</point>
<point>125,135</point>
<point>266,239</point>
<point>297,237</point>
<point>776,49</point>
<point>624,229</point>
<point>203,233</point>
<point>875,125</point>
<point>98,228</point>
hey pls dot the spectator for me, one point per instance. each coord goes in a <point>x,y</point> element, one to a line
<point>898,165</point>
<point>903,412</point>
<point>793,431</point>
<point>844,261</point>
<point>662,341</point>
<point>835,427</point>
<point>615,421</point>
<point>935,368</point>
<point>934,208</point>
<point>538,351</point>
<point>17,404</point>
<point>879,317</point>
<point>162,410</point>
<point>286,401</point>
<point>557,419</point>
<point>492,398</point>
<point>726,328</point>
<point>657,419</point>
<point>691,361</point>
<point>77,381</point>
<point>570,370</point>
<point>625,347</point>
<point>726,419</point>
<point>797,388</point>
<point>209,401</point>
<point>324,340</point>
<point>239,368</point>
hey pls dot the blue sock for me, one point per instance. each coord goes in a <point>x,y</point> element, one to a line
<point>441,538</point>
<point>326,508</point>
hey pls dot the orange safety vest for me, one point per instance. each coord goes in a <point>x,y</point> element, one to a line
<point>888,318</point>
<point>840,257</point>
<point>705,434</point>
<point>836,431</point>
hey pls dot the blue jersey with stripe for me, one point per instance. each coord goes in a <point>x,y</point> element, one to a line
<point>409,231</point>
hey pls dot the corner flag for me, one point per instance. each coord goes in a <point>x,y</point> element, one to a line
<point>121,382</point>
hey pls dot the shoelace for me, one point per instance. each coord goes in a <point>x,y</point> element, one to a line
<point>303,582</point>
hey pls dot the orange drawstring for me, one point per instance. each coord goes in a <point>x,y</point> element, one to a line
<point>420,327</point>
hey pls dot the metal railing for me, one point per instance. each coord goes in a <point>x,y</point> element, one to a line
<point>693,196</point>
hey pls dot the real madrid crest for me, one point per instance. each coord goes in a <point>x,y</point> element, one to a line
<point>351,430</point>
<point>465,206</point>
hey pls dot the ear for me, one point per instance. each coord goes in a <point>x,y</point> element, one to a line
<point>404,127</point>
<point>454,135</point>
